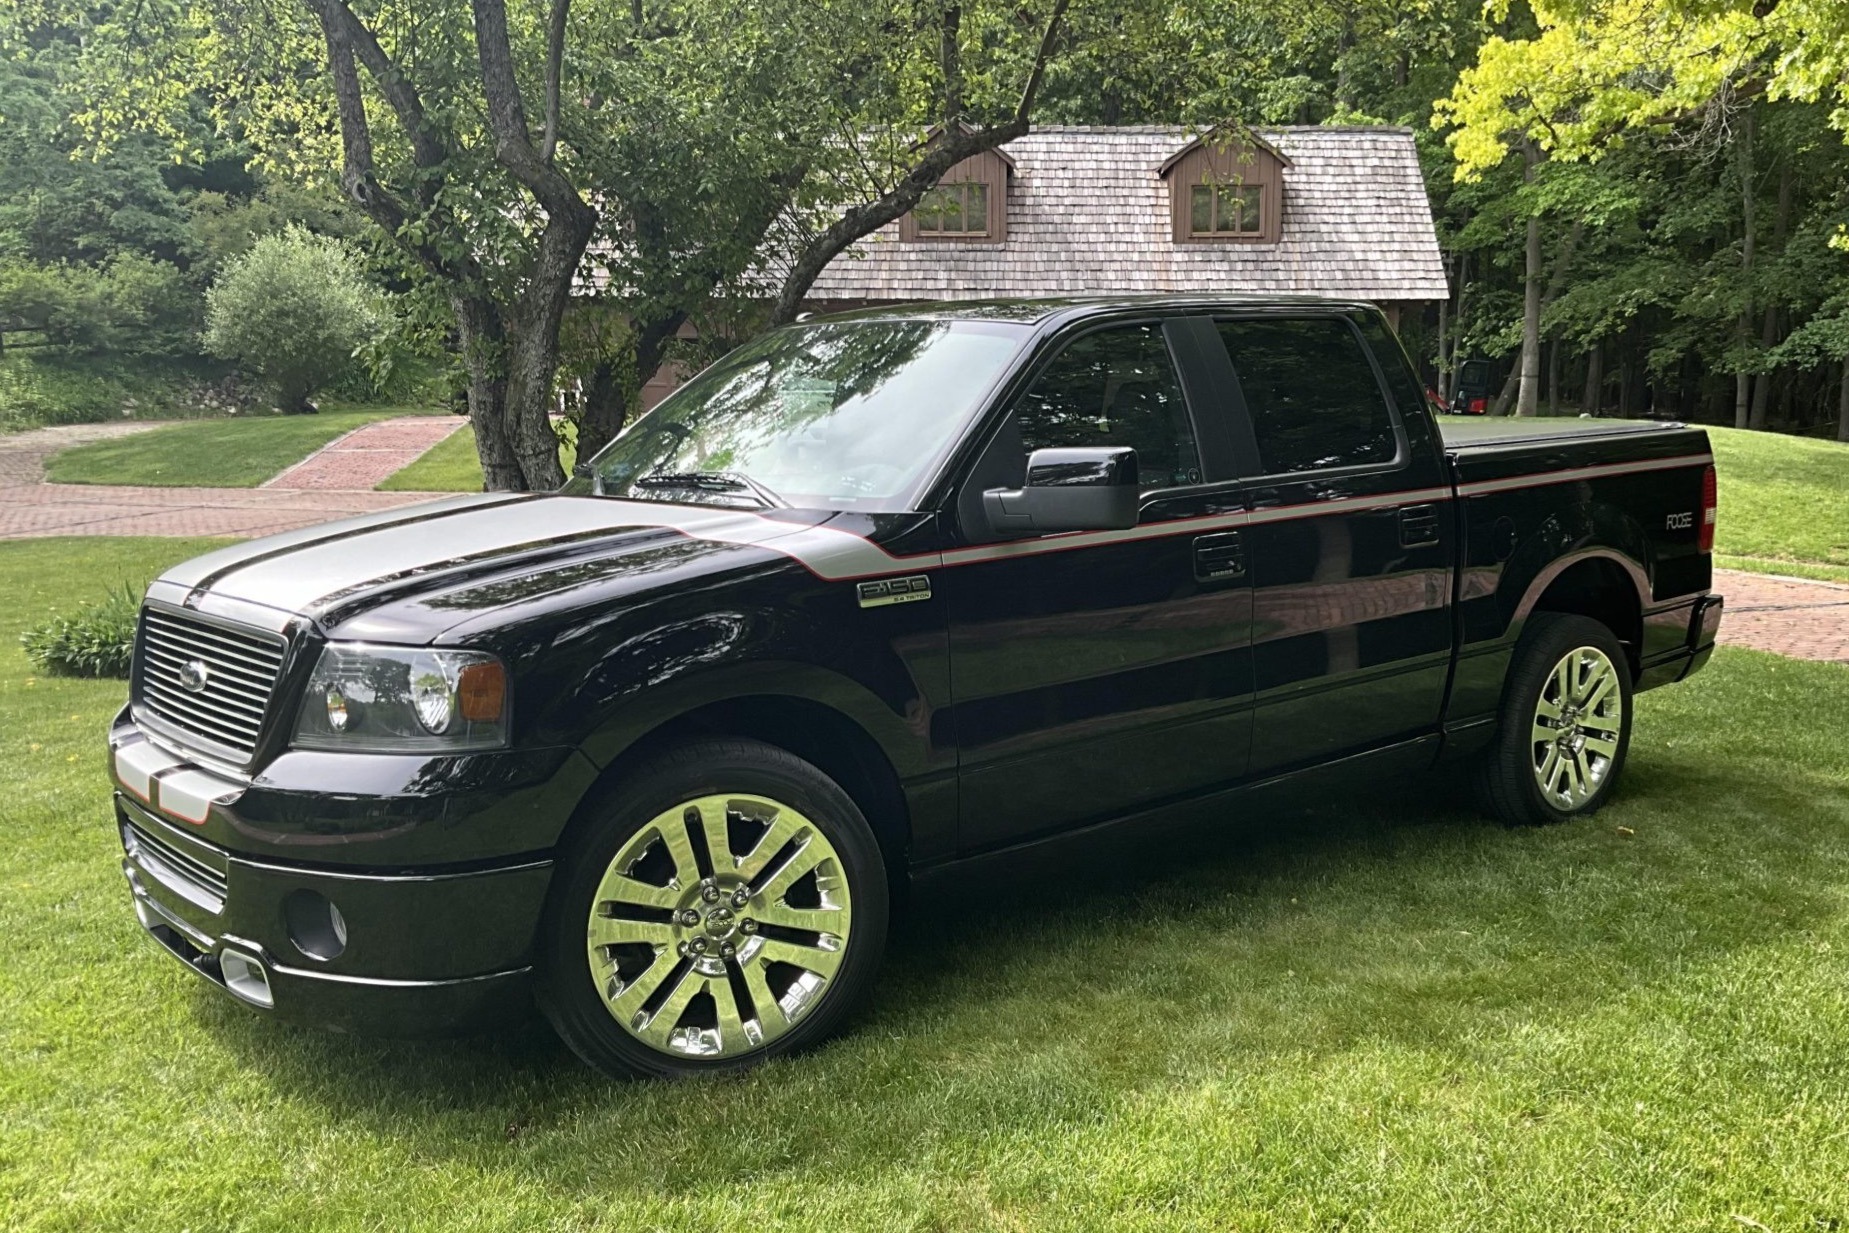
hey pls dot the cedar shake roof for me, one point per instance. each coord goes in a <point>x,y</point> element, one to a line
<point>1088,212</point>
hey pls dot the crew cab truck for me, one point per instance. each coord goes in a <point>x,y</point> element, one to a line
<point>875,595</point>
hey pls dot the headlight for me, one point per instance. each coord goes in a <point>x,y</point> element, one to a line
<point>387,699</point>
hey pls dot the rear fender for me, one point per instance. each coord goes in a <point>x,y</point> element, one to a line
<point>1599,531</point>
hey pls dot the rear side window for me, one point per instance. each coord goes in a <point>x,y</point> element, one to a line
<point>1311,393</point>
<point>1115,387</point>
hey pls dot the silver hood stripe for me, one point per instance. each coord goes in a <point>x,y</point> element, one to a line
<point>200,571</point>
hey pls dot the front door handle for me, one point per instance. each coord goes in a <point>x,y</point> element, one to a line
<point>1218,558</point>
<point>1418,526</point>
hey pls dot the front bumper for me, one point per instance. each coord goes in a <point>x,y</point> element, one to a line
<point>399,951</point>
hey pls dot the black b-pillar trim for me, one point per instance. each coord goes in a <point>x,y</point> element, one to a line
<point>1212,390</point>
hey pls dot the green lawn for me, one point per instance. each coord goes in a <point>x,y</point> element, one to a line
<point>214,453</point>
<point>1784,504</point>
<point>452,466</point>
<point>1379,1013</point>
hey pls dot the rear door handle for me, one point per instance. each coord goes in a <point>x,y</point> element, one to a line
<point>1418,525</point>
<point>1219,557</point>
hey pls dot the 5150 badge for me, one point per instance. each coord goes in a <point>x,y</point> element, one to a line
<point>882,591</point>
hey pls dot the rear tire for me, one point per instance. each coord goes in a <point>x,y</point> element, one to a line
<point>725,904</point>
<point>1564,727</point>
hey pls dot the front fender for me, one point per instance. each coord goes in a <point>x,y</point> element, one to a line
<point>903,735</point>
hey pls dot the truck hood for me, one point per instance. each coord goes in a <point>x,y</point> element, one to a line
<point>445,554</point>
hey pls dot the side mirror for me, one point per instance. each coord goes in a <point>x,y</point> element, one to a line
<point>1087,489</point>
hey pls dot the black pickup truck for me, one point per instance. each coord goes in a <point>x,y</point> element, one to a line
<point>875,596</point>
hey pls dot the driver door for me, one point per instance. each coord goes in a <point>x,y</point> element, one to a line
<point>1094,673</point>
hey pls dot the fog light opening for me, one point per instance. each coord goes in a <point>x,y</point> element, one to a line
<point>315,925</point>
<point>245,977</point>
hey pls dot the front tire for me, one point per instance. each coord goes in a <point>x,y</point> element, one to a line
<point>1565,724</point>
<point>726,904</point>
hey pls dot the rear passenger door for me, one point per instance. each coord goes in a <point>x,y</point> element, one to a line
<point>1097,672</point>
<point>1351,537</point>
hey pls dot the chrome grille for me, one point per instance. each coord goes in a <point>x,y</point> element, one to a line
<point>178,871</point>
<point>240,671</point>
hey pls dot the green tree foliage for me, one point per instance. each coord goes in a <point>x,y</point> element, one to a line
<point>699,153</point>
<point>106,252</point>
<point>1711,182</point>
<point>293,310</point>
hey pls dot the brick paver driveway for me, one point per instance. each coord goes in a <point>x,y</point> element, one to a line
<point>1807,620</point>
<point>370,453</point>
<point>29,506</point>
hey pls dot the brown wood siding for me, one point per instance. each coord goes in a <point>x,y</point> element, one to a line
<point>985,168</point>
<point>1211,164</point>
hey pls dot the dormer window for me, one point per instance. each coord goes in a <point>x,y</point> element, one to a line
<point>1225,209</point>
<point>954,209</point>
<point>1226,189</point>
<point>969,204</point>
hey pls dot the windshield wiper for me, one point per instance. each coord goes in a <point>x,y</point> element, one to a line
<point>711,481</point>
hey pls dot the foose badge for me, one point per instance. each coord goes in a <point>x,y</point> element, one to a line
<point>894,590</point>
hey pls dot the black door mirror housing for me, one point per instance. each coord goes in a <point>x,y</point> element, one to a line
<point>1082,489</point>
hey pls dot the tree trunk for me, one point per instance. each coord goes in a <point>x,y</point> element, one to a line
<point>1593,400</point>
<point>1344,79</point>
<point>1553,376</point>
<point>615,391</point>
<point>1743,380</point>
<point>1768,332</point>
<point>478,326</point>
<point>1443,382</point>
<point>607,398</point>
<point>532,361</point>
<point>1842,405</point>
<point>1528,397</point>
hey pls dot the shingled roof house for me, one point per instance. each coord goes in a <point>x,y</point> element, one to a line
<point>1335,211</point>
<point>1338,211</point>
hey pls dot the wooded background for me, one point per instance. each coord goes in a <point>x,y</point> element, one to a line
<point>1643,205</point>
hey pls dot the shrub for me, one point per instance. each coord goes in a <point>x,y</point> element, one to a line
<point>292,311</point>
<point>98,641</point>
<point>43,387</point>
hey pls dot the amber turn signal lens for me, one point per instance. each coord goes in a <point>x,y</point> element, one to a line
<point>482,690</point>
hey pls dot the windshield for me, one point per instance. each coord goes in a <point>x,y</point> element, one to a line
<point>835,415</point>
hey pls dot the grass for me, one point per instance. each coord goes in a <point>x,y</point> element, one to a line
<point>452,465</point>
<point>216,453</point>
<point>1784,504</point>
<point>1376,1013</point>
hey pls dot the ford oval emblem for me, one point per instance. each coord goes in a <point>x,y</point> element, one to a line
<point>193,676</point>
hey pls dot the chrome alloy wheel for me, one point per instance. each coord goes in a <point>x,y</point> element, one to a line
<point>1577,724</point>
<point>718,926</point>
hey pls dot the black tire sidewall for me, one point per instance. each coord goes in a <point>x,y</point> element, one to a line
<point>565,990</point>
<point>1510,785</point>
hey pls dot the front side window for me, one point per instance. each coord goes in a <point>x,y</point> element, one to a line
<point>954,209</point>
<point>1311,394</point>
<point>834,415</point>
<point>1115,387</point>
<point>1226,209</point>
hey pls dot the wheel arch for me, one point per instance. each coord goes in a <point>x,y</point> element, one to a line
<point>828,723</point>
<point>1601,583</point>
